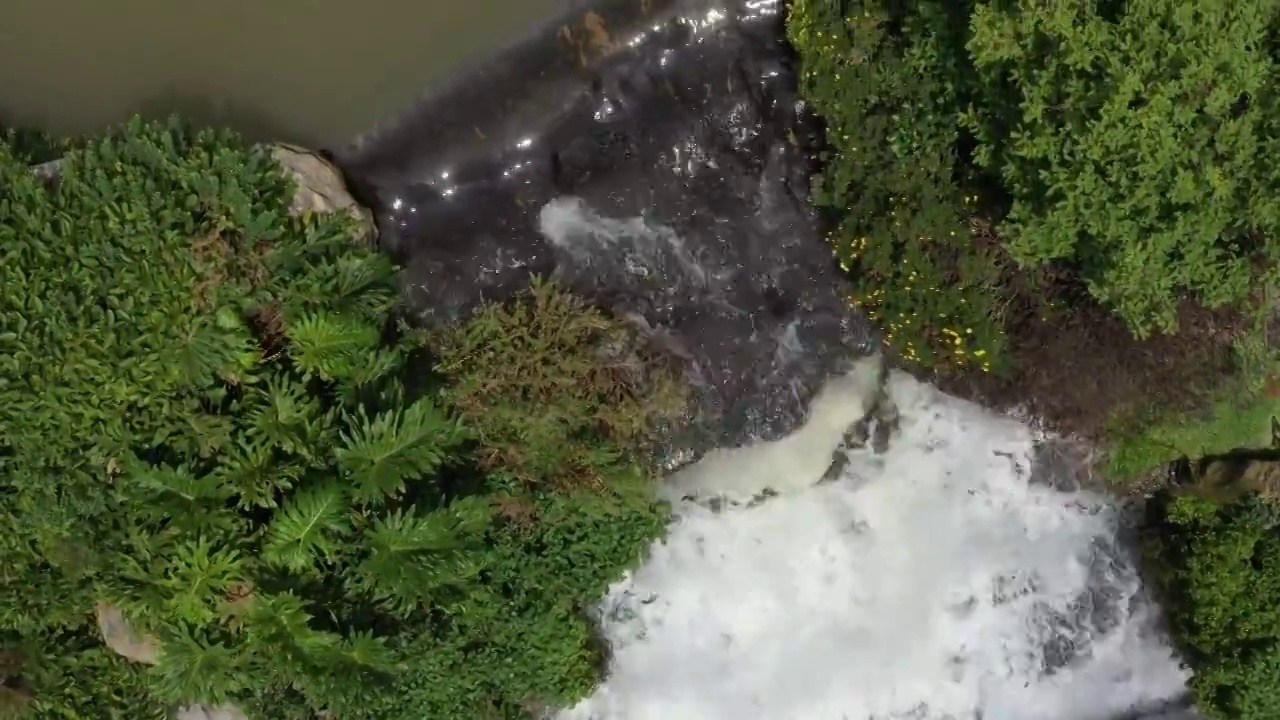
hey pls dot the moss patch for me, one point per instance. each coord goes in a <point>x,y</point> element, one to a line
<point>1230,423</point>
<point>1235,414</point>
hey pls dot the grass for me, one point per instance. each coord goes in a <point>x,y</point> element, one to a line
<point>1231,424</point>
<point>1236,414</point>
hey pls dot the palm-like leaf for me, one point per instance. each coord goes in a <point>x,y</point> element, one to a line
<point>286,416</point>
<point>307,528</point>
<point>330,345</point>
<point>379,455</point>
<point>251,471</point>
<point>195,670</point>
<point>414,556</point>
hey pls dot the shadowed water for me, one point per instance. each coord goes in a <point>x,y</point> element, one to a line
<point>302,70</point>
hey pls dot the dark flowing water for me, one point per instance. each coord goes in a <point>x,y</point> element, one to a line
<point>310,71</point>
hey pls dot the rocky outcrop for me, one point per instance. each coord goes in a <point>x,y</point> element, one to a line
<point>1229,476</point>
<point>650,155</point>
<point>320,187</point>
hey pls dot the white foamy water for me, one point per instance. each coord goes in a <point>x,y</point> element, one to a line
<point>931,582</point>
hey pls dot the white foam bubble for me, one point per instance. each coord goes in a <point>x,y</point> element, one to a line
<point>931,582</point>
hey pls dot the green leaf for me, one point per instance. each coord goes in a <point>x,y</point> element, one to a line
<point>307,529</point>
<point>379,455</point>
<point>330,345</point>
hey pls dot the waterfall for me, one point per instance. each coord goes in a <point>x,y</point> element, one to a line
<point>934,580</point>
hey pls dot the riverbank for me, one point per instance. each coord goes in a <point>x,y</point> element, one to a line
<point>1007,292</point>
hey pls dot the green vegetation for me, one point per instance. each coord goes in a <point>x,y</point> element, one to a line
<point>999,174</point>
<point>1216,568</point>
<point>892,177</point>
<point>1230,423</point>
<point>1140,151</point>
<point>213,420</point>
<point>1133,162</point>
<point>1236,414</point>
<point>995,168</point>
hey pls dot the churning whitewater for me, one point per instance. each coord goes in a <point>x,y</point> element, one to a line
<point>930,581</point>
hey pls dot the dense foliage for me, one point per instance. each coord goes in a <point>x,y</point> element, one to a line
<point>1121,146</point>
<point>987,162</point>
<point>213,420</point>
<point>892,109</point>
<point>1134,142</point>
<point>1216,568</point>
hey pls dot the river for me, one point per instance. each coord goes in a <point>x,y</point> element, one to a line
<point>310,71</point>
<point>935,579</point>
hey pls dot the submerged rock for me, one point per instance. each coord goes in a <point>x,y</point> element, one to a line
<point>649,154</point>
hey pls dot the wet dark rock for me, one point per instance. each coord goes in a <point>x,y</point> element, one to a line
<point>1178,709</point>
<point>651,155</point>
<point>1065,464</point>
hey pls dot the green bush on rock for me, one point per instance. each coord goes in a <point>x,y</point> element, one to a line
<point>1135,140</point>
<point>1129,142</point>
<point>1216,569</point>
<point>213,420</point>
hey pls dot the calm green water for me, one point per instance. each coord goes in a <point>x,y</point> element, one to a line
<point>310,71</point>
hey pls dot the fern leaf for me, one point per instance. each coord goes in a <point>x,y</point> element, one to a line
<point>211,352</point>
<point>305,529</point>
<point>288,417</point>
<point>396,446</point>
<point>329,345</point>
<point>279,629</point>
<point>364,283</point>
<point>413,557</point>
<point>194,670</point>
<point>175,482</point>
<point>363,648</point>
<point>381,363</point>
<point>198,577</point>
<point>252,473</point>
<point>164,492</point>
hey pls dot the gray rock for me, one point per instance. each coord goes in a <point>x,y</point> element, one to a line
<point>123,639</point>
<point>320,187</point>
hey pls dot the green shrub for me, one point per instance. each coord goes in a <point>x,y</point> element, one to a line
<point>550,373</point>
<point>1216,570</point>
<point>560,399</point>
<point>1136,141</point>
<point>212,419</point>
<point>886,78</point>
